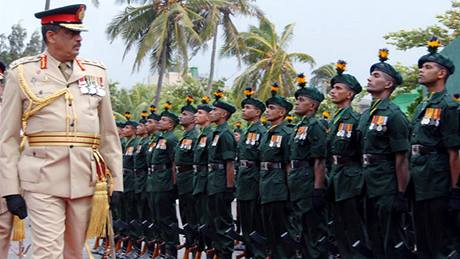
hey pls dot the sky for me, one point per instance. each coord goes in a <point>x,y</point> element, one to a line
<point>327,30</point>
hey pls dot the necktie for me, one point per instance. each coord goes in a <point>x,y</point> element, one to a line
<point>65,70</point>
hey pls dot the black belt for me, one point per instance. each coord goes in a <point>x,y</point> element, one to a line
<point>138,171</point>
<point>419,150</point>
<point>248,164</point>
<point>369,159</point>
<point>296,164</point>
<point>184,168</point>
<point>270,165</point>
<point>200,168</point>
<point>215,166</point>
<point>341,160</point>
<point>159,167</point>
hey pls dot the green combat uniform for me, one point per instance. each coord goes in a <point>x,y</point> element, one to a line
<point>346,178</point>
<point>222,149</point>
<point>308,143</point>
<point>247,181</point>
<point>128,207</point>
<point>163,187</point>
<point>384,131</point>
<point>435,128</point>
<point>274,157</point>
<point>149,182</point>
<point>184,173</point>
<point>140,176</point>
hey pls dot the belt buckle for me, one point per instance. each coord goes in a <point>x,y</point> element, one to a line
<point>366,159</point>
<point>177,169</point>
<point>292,163</point>
<point>335,159</point>
<point>209,167</point>
<point>264,166</point>
<point>195,168</point>
<point>416,150</point>
<point>243,163</point>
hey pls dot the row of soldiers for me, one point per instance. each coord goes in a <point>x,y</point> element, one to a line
<point>309,191</point>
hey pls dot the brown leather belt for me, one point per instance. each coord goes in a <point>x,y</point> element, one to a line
<point>184,168</point>
<point>70,139</point>
<point>341,160</point>
<point>296,164</point>
<point>369,159</point>
<point>248,164</point>
<point>266,166</point>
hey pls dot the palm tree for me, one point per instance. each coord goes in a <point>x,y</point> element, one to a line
<point>321,77</point>
<point>162,30</point>
<point>220,13</point>
<point>264,51</point>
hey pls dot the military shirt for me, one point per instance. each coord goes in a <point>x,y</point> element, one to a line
<point>153,138</point>
<point>184,156</point>
<point>247,180</point>
<point>123,144</point>
<point>200,157</point>
<point>128,164</point>
<point>221,149</point>
<point>274,147</point>
<point>163,154</point>
<point>307,143</point>
<point>435,124</point>
<point>384,130</point>
<point>140,164</point>
<point>346,179</point>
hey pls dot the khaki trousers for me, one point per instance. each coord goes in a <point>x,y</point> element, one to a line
<point>6,223</point>
<point>58,225</point>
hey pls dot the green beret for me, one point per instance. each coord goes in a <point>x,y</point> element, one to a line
<point>205,106</point>
<point>189,107</point>
<point>386,68</point>
<point>221,104</point>
<point>167,113</point>
<point>347,79</point>
<point>120,124</point>
<point>278,100</point>
<point>131,123</point>
<point>252,101</point>
<point>310,92</point>
<point>435,57</point>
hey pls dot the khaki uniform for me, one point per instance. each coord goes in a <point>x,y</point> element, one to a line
<point>58,181</point>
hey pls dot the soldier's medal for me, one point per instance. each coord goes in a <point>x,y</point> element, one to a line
<point>161,144</point>
<point>215,140</point>
<point>257,138</point>
<point>427,117</point>
<point>100,91</point>
<point>129,151</point>
<point>202,142</point>
<point>82,82</point>
<point>138,150</point>
<point>301,133</point>
<point>186,144</point>
<point>278,141</point>
<point>339,130</point>
<point>151,146</point>
<point>373,123</point>
<point>348,129</point>
<point>249,138</point>
<point>437,116</point>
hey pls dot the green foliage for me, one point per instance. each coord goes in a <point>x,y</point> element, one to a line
<point>321,77</point>
<point>447,30</point>
<point>14,46</point>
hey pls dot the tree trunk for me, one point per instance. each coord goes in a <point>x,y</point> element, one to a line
<point>213,61</point>
<point>161,73</point>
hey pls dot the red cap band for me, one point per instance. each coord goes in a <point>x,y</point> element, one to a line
<point>57,18</point>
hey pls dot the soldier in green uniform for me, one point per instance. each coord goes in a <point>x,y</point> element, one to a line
<point>120,126</point>
<point>247,181</point>
<point>128,208</point>
<point>274,164</point>
<point>384,137</point>
<point>163,173</point>
<point>200,164</point>
<point>306,177</point>
<point>221,156</point>
<point>435,163</point>
<point>184,163</point>
<point>153,129</point>
<point>344,157</point>
<point>140,168</point>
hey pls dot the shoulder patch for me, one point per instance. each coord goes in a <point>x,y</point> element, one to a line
<point>92,63</point>
<point>24,60</point>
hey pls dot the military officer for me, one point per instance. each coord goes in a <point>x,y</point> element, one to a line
<point>274,164</point>
<point>140,168</point>
<point>435,163</point>
<point>306,178</point>
<point>346,179</point>
<point>221,156</point>
<point>200,164</point>
<point>6,218</point>
<point>163,169</point>
<point>120,125</point>
<point>68,128</point>
<point>247,181</point>
<point>184,163</point>
<point>153,129</point>
<point>128,205</point>
<point>384,136</point>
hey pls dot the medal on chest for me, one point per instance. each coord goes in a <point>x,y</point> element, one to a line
<point>432,116</point>
<point>215,140</point>
<point>252,138</point>
<point>92,85</point>
<point>275,141</point>
<point>344,130</point>
<point>138,149</point>
<point>379,123</point>
<point>301,133</point>
<point>202,142</point>
<point>129,151</point>
<point>186,144</point>
<point>161,144</point>
<point>152,146</point>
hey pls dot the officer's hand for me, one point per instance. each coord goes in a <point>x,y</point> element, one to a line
<point>319,198</point>
<point>16,205</point>
<point>115,199</point>
<point>454,201</point>
<point>401,204</point>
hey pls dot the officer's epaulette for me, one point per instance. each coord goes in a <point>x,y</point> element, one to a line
<point>24,60</point>
<point>91,62</point>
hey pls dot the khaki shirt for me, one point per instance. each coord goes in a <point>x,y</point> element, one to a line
<point>3,207</point>
<point>63,171</point>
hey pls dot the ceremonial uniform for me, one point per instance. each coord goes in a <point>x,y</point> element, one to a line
<point>140,178</point>
<point>150,181</point>
<point>58,177</point>
<point>128,206</point>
